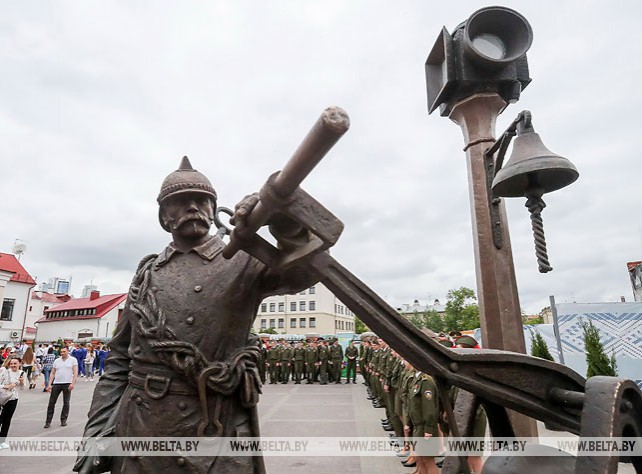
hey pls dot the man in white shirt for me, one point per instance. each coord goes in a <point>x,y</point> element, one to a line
<point>40,353</point>
<point>63,378</point>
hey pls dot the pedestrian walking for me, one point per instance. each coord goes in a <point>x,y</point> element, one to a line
<point>11,379</point>
<point>28,362</point>
<point>47,365</point>
<point>89,364</point>
<point>63,378</point>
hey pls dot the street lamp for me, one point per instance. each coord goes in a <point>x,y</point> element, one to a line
<point>471,76</point>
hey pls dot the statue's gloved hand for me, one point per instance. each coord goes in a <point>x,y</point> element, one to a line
<point>288,233</point>
<point>243,209</point>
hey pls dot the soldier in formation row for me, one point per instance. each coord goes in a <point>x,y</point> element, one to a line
<point>313,361</point>
<point>411,404</point>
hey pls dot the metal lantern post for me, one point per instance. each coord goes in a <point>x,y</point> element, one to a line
<point>471,76</point>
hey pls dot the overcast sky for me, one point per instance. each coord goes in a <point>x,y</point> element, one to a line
<point>100,100</point>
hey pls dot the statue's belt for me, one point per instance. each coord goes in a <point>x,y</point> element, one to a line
<point>158,381</point>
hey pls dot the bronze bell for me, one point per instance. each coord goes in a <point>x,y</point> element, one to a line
<point>532,168</point>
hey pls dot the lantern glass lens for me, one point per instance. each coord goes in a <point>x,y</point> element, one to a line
<point>490,46</point>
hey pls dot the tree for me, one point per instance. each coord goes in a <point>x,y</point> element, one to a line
<point>539,348</point>
<point>537,320</point>
<point>597,360</point>
<point>359,326</point>
<point>269,331</point>
<point>461,312</point>
<point>433,321</point>
<point>417,320</point>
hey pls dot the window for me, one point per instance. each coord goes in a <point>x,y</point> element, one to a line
<point>272,307</point>
<point>293,306</point>
<point>313,322</point>
<point>263,323</point>
<point>281,323</point>
<point>7,309</point>
<point>313,305</point>
<point>302,293</point>
<point>302,322</point>
<point>263,307</point>
<point>293,322</point>
<point>312,290</point>
<point>336,324</point>
<point>301,305</point>
<point>281,307</point>
<point>272,323</point>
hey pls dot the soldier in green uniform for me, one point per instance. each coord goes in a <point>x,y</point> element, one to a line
<point>324,356</point>
<point>286,362</point>
<point>299,361</point>
<point>393,367</point>
<point>311,359</point>
<point>274,361</point>
<point>351,357</point>
<point>407,382</point>
<point>424,414</point>
<point>375,368</point>
<point>363,357</point>
<point>336,355</point>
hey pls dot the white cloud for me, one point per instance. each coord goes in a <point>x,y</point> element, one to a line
<point>99,102</point>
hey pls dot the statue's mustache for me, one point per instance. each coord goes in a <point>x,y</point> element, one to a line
<point>197,216</point>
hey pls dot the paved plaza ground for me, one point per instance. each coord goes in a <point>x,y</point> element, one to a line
<point>285,410</point>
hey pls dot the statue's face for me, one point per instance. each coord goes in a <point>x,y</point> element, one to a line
<point>188,215</point>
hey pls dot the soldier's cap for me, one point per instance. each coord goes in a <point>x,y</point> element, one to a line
<point>446,342</point>
<point>468,342</point>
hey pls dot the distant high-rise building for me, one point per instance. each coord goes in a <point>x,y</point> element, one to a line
<point>58,285</point>
<point>86,291</point>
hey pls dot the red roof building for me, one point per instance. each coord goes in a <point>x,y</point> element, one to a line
<point>94,307</point>
<point>15,288</point>
<point>9,263</point>
<point>82,318</point>
<point>50,298</point>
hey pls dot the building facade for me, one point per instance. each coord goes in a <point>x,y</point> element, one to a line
<point>95,317</point>
<point>409,310</point>
<point>15,288</point>
<point>40,302</point>
<point>314,310</point>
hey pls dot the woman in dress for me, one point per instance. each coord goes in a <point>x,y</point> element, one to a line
<point>10,379</point>
<point>28,362</point>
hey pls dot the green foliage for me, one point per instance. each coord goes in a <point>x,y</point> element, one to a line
<point>359,326</point>
<point>537,320</point>
<point>539,347</point>
<point>461,313</point>
<point>598,362</point>
<point>433,321</point>
<point>269,331</point>
<point>430,319</point>
<point>417,320</point>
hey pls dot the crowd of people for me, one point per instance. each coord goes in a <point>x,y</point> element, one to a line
<point>410,398</point>
<point>411,401</point>
<point>59,364</point>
